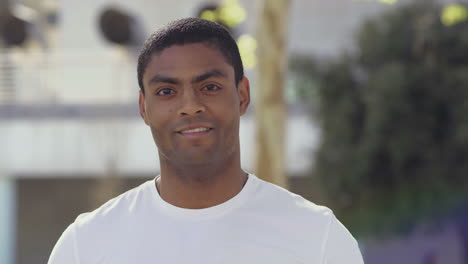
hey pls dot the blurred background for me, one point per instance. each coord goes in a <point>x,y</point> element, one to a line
<point>373,114</point>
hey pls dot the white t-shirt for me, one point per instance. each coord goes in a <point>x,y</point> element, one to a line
<point>263,223</point>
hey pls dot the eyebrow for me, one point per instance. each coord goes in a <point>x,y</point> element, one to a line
<point>200,78</point>
<point>209,74</point>
<point>163,79</point>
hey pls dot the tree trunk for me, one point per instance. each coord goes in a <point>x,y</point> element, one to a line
<point>270,108</point>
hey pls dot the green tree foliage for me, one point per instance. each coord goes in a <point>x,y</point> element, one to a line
<point>394,119</point>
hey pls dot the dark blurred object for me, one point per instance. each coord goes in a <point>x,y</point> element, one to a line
<point>53,18</point>
<point>13,30</point>
<point>116,27</point>
<point>394,150</point>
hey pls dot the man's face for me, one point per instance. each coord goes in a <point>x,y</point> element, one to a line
<point>192,104</point>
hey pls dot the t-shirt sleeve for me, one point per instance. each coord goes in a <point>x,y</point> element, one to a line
<point>65,248</point>
<point>340,245</point>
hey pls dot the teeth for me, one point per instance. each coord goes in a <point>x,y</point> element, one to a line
<point>200,129</point>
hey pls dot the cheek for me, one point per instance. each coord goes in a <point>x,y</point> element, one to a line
<point>230,124</point>
<point>159,114</point>
<point>228,112</point>
<point>163,139</point>
<point>159,122</point>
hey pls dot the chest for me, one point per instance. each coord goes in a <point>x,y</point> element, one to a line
<point>212,243</point>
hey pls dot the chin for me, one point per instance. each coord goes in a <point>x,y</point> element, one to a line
<point>197,160</point>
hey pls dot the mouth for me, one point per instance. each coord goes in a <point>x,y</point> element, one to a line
<point>195,132</point>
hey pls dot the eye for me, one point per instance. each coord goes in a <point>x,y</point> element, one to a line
<point>211,88</point>
<point>165,91</point>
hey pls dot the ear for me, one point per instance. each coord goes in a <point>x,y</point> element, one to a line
<point>142,106</point>
<point>243,90</point>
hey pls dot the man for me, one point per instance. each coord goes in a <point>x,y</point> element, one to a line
<point>202,208</point>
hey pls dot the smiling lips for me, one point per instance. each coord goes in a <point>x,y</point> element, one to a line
<point>199,129</point>
<point>193,132</point>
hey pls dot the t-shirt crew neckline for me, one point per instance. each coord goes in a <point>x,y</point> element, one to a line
<point>204,213</point>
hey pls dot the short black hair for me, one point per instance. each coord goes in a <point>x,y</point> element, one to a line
<point>188,31</point>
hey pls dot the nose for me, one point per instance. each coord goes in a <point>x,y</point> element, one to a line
<point>191,104</point>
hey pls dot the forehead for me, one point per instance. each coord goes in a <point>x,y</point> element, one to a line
<point>187,60</point>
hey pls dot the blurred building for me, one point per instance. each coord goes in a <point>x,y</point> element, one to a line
<point>70,133</point>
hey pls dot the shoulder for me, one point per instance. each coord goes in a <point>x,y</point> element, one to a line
<point>89,235</point>
<point>281,198</point>
<point>336,242</point>
<point>287,207</point>
<point>115,210</point>
<point>340,246</point>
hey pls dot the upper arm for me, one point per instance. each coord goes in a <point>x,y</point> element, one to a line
<point>65,248</point>
<point>340,245</point>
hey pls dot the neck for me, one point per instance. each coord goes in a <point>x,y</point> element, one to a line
<point>200,186</point>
